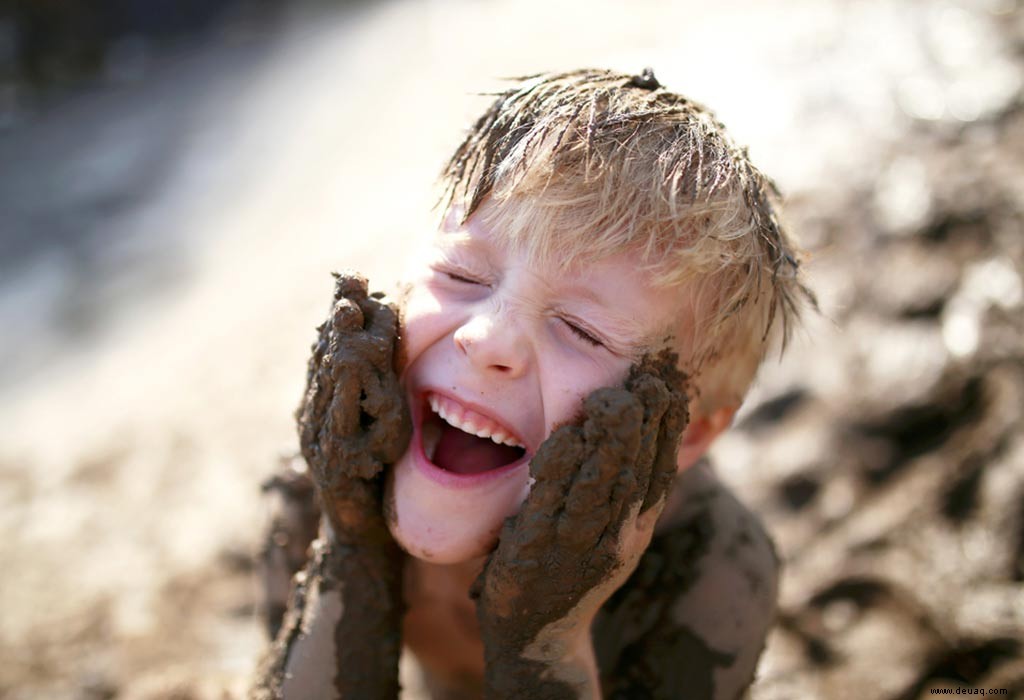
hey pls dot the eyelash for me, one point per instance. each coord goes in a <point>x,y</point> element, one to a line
<point>460,278</point>
<point>583,335</point>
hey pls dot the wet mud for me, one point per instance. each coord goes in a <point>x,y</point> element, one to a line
<point>590,477</point>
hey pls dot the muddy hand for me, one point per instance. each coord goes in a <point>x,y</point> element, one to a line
<point>353,419</point>
<point>600,484</point>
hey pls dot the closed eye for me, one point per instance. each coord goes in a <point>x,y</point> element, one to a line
<point>455,276</point>
<point>460,278</point>
<point>583,334</point>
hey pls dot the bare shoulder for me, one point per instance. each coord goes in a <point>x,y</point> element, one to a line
<point>696,612</point>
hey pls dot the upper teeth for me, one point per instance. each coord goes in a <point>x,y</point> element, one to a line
<point>469,422</point>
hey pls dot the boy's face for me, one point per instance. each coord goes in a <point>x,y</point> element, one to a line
<point>502,347</point>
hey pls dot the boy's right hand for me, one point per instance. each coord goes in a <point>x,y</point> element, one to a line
<point>353,420</point>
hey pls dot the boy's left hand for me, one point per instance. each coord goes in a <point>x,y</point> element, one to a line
<point>600,485</point>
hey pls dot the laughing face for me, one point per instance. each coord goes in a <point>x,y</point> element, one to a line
<point>500,351</point>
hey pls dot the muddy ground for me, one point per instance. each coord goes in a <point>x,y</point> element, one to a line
<point>167,233</point>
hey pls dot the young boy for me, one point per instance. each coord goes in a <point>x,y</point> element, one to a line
<point>510,474</point>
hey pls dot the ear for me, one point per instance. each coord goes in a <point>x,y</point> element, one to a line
<point>699,435</point>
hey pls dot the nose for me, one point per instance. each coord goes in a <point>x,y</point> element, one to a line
<point>494,343</point>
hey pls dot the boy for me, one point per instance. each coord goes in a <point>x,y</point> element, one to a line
<point>511,483</point>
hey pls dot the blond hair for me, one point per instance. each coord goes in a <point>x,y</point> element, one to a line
<point>607,163</point>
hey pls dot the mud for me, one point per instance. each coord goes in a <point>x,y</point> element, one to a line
<point>590,476</point>
<point>352,422</point>
<point>353,419</point>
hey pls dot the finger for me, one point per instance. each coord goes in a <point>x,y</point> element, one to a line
<point>630,435</point>
<point>384,419</point>
<point>611,434</point>
<point>499,581</point>
<point>317,352</point>
<point>346,318</point>
<point>653,395</point>
<point>377,342</point>
<point>315,366</point>
<point>552,468</point>
<point>663,471</point>
<point>349,284</point>
<point>350,379</point>
<point>315,404</point>
<point>381,319</point>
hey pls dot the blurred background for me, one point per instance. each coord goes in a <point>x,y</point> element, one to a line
<point>178,178</point>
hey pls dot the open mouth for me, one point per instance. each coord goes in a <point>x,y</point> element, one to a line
<point>462,441</point>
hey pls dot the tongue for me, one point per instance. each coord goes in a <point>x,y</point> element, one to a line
<point>462,453</point>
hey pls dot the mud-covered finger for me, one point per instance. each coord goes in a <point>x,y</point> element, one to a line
<point>347,502</point>
<point>611,433</point>
<point>625,488</point>
<point>672,425</point>
<point>349,284</point>
<point>315,404</point>
<point>552,469</point>
<point>346,318</point>
<point>384,417</point>
<point>316,353</point>
<point>654,397</point>
<point>349,382</point>
<point>381,319</point>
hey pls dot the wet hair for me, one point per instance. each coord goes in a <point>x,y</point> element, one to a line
<point>591,163</point>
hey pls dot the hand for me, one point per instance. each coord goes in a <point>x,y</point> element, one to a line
<point>600,485</point>
<point>353,419</point>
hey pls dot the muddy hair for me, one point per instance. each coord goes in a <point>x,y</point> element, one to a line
<point>591,163</point>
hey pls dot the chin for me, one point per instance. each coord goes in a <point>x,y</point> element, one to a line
<point>447,517</point>
<point>446,524</point>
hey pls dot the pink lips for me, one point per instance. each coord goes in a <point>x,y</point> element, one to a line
<point>447,478</point>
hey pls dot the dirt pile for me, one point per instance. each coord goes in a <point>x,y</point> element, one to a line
<point>888,454</point>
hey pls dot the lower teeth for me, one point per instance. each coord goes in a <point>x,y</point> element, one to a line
<point>431,436</point>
